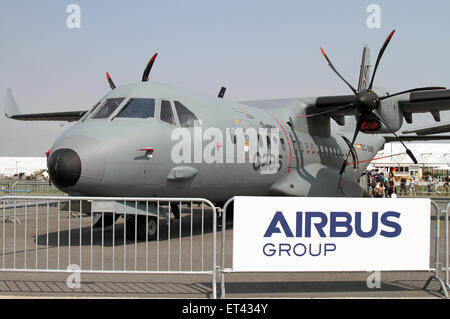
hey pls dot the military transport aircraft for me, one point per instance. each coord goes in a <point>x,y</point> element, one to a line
<point>123,145</point>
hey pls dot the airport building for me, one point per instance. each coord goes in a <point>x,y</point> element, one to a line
<point>23,167</point>
<point>433,160</point>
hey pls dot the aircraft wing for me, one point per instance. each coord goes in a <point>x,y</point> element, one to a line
<point>425,101</point>
<point>415,138</point>
<point>436,129</point>
<point>12,112</point>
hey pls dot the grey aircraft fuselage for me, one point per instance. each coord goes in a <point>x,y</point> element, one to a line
<point>131,157</point>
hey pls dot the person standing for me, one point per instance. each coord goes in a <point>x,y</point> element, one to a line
<point>379,188</point>
<point>403,185</point>
<point>391,184</point>
<point>414,185</point>
<point>446,185</point>
<point>369,182</point>
<point>436,184</point>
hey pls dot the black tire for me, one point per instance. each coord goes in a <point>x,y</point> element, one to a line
<point>230,213</point>
<point>143,231</point>
<point>108,220</point>
<point>175,210</point>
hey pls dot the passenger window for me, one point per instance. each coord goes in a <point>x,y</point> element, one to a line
<point>283,145</point>
<point>260,141</point>
<point>138,108</point>
<point>108,108</point>
<point>166,112</point>
<point>313,150</point>
<point>186,117</point>
<point>233,137</point>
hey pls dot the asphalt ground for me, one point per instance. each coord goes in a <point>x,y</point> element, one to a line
<point>53,246</point>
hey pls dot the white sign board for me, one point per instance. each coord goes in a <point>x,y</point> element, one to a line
<point>330,234</point>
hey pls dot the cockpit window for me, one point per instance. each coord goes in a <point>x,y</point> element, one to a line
<point>138,108</point>
<point>186,117</point>
<point>108,108</point>
<point>166,112</point>
<point>91,111</point>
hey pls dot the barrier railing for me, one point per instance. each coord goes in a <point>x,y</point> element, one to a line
<point>29,188</point>
<point>437,264</point>
<point>109,235</point>
<point>133,235</point>
<point>438,267</point>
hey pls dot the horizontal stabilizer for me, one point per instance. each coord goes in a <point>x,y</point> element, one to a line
<point>12,112</point>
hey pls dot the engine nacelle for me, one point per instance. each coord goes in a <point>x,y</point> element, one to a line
<point>389,110</point>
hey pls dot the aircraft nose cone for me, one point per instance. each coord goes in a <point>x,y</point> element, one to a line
<point>64,167</point>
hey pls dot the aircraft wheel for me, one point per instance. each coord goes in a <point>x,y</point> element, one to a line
<point>175,210</point>
<point>230,213</point>
<point>143,230</point>
<point>108,220</point>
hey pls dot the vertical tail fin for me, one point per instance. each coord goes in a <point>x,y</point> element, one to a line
<point>364,74</point>
<point>11,108</point>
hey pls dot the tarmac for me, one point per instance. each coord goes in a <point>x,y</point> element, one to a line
<point>308,285</point>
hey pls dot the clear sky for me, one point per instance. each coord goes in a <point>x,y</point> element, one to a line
<point>257,49</point>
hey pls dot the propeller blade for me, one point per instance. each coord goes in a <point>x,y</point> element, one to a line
<point>333,101</point>
<point>110,81</point>
<point>335,71</point>
<point>429,88</point>
<point>148,68</point>
<point>326,112</point>
<point>345,163</point>
<point>408,151</point>
<point>411,155</point>
<point>380,54</point>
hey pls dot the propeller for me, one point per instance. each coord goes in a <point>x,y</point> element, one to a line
<point>148,68</point>
<point>366,103</point>
<point>145,75</point>
<point>110,81</point>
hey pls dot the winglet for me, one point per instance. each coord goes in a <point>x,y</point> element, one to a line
<point>11,108</point>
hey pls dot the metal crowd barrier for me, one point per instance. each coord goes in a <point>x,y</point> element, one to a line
<point>108,235</point>
<point>438,266</point>
<point>49,234</point>
<point>29,188</point>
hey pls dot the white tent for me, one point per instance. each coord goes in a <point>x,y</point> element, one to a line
<point>431,156</point>
<point>25,165</point>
